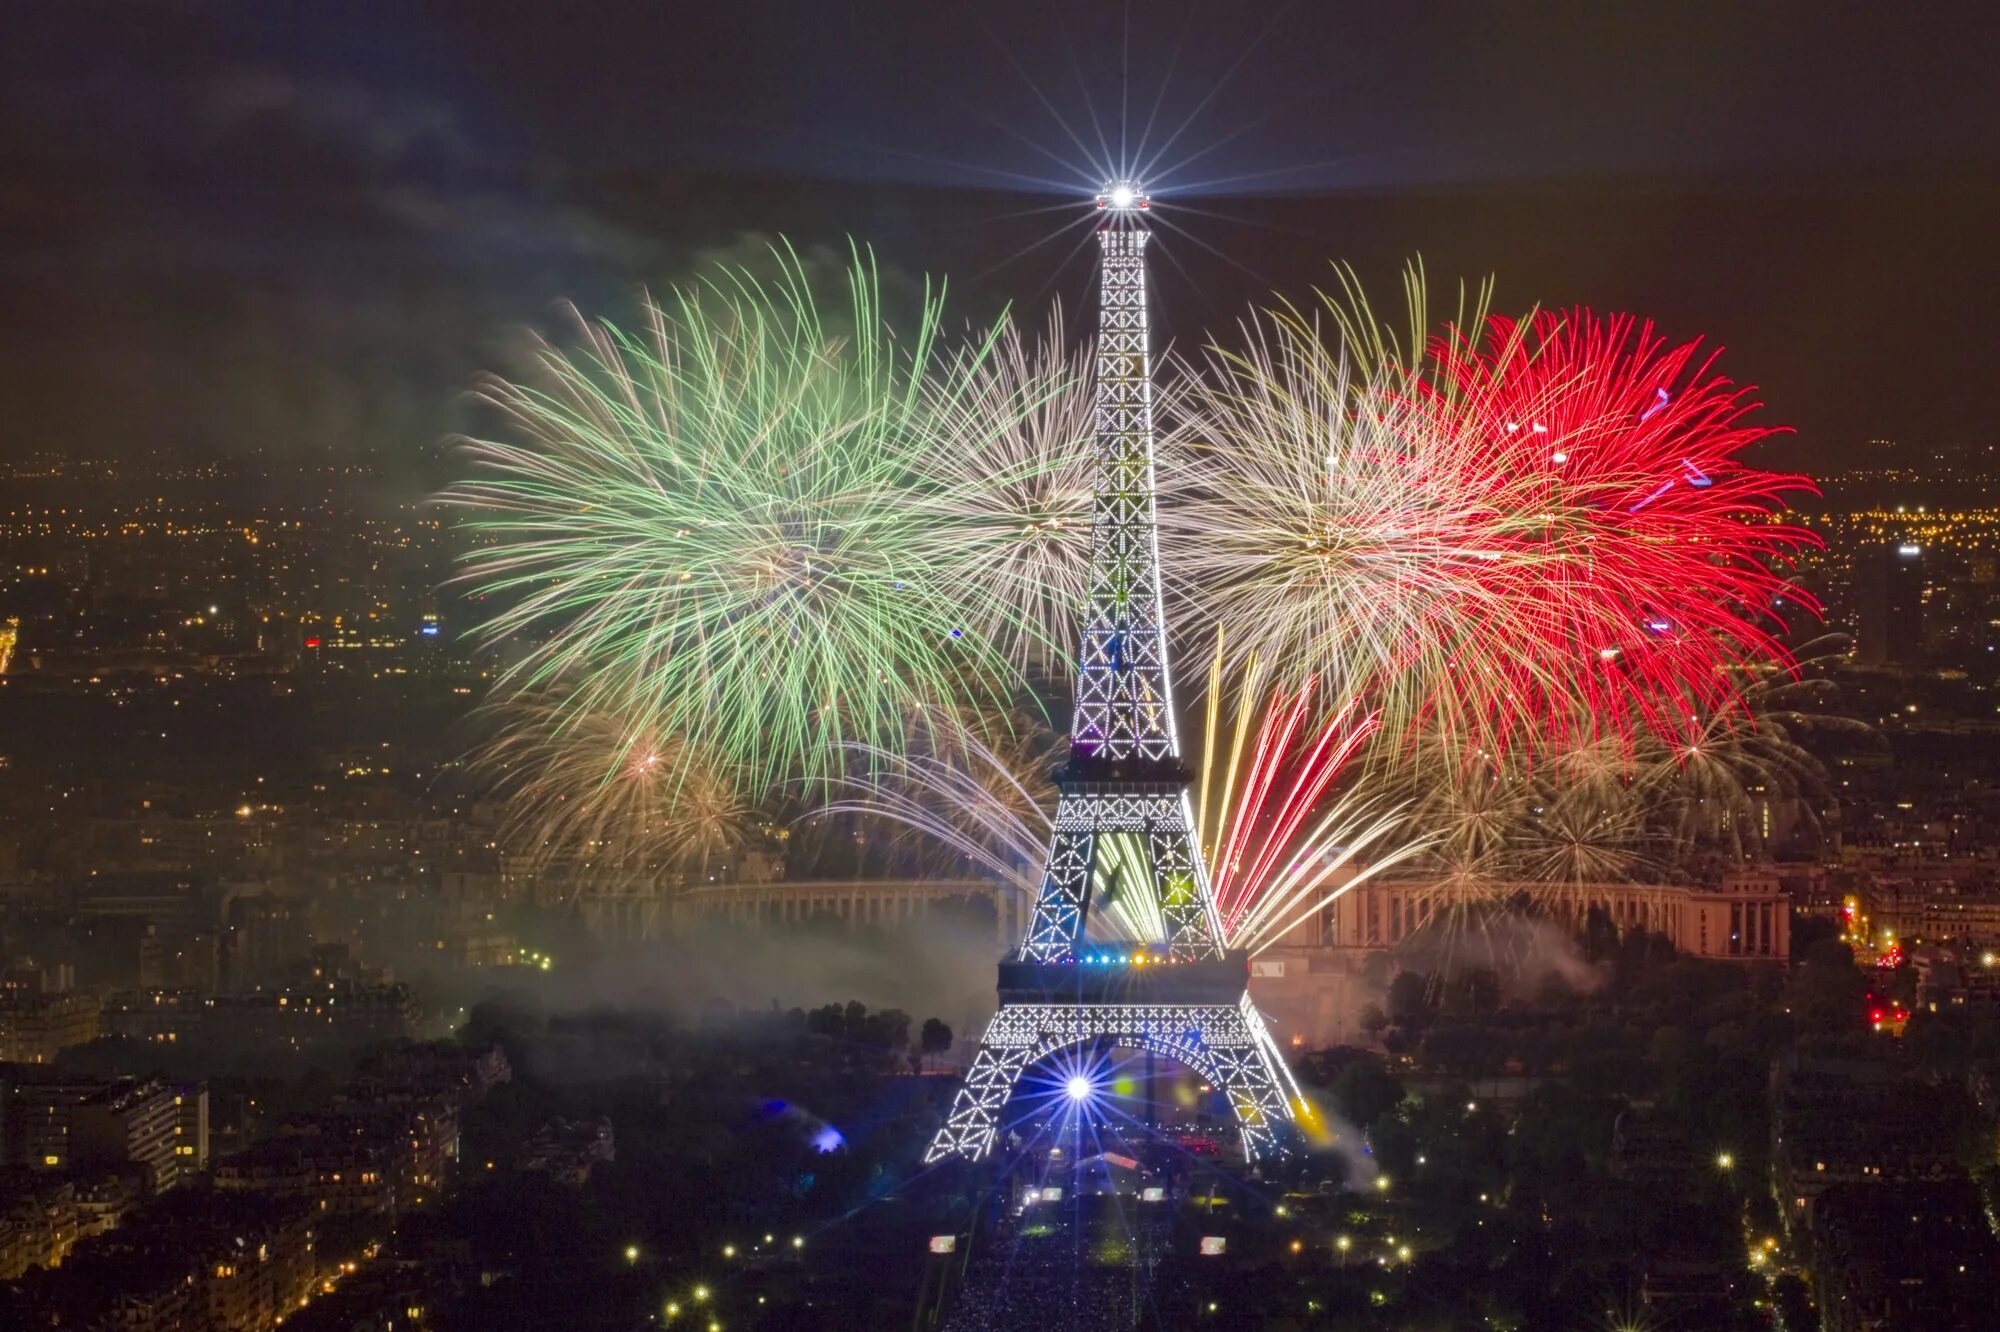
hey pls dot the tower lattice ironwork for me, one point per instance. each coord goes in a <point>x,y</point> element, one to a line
<point>1176,991</point>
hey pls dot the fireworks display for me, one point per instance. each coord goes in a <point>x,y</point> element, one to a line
<point>605,790</point>
<point>738,550</point>
<point>1277,850</point>
<point>1013,492</point>
<point>1539,527</point>
<point>757,534</point>
<point>1647,809</point>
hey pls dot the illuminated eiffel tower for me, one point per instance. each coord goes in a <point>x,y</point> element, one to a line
<point>1125,947</point>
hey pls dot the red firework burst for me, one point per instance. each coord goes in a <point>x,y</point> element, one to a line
<point>1635,565</point>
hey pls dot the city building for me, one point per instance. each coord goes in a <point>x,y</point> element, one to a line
<point>1837,1121</point>
<point>214,1261</point>
<point>38,1225</point>
<point>1890,587</point>
<point>1911,1259</point>
<point>566,1152</point>
<point>54,1121</point>
<point>36,1027</point>
<point>1311,984</point>
<point>852,904</point>
<point>305,1016</point>
<point>334,1178</point>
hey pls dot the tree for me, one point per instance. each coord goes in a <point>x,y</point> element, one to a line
<point>1374,1021</point>
<point>933,1039</point>
<point>1364,1091</point>
<point>1409,998</point>
<point>887,1030</point>
<point>829,1021</point>
<point>1600,934</point>
<point>1810,930</point>
<point>1829,993</point>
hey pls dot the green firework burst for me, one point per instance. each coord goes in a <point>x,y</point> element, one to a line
<point>732,524</point>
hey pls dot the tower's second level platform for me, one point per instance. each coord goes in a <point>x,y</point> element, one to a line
<point>1125,974</point>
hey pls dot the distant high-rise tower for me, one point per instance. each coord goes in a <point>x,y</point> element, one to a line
<point>1125,947</point>
<point>1889,587</point>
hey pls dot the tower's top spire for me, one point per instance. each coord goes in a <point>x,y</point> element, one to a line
<point>1124,719</point>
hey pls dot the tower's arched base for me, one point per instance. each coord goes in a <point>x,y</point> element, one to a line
<point>1226,1044</point>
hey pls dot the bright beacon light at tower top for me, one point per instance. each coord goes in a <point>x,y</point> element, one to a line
<point>1123,196</point>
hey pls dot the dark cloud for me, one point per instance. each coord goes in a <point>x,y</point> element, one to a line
<point>302,229</point>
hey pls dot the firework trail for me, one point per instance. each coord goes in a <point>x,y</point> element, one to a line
<point>1276,852</point>
<point>1539,526</point>
<point>1655,809</point>
<point>608,791</point>
<point>733,525</point>
<point>983,800</point>
<point>1278,846</point>
<point>1014,490</point>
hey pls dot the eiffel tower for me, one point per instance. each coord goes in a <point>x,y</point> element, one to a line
<point>1150,973</point>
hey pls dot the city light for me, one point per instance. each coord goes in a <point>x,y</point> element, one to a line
<point>1725,1161</point>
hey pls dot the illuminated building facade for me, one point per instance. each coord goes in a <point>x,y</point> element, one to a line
<point>1312,982</point>
<point>856,904</point>
<point>35,1028</point>
<point>1124,944</point>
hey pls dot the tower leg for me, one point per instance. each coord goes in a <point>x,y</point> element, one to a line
<point>1181,882</point>
<point>974,1122</point>
<point>1065,891</point>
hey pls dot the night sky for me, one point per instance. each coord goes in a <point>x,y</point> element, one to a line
<point>302,229</point>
